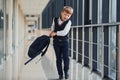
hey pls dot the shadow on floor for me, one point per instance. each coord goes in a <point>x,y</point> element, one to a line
<point>49,69</point>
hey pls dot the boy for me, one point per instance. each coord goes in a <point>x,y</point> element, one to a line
<point>60,29</point>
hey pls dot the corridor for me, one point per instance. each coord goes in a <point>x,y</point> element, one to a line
<point>45,69</point>
<point>94,39</point>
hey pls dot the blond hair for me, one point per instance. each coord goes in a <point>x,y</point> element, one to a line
<point>68,9</point>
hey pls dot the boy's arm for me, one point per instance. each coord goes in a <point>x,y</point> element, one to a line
<point>65,31</point>
<point>52,28</point>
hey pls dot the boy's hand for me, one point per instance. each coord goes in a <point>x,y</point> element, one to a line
<point>52,34</point>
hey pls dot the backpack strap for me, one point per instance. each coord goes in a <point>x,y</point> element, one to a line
<point>43,52</point>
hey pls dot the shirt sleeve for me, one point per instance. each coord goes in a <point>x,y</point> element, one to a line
<point>52,26</point>
<point>65,31</point>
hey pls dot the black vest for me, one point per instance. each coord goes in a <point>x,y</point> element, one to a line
<point>60,27</point>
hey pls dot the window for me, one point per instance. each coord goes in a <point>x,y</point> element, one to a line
<point>1,31</point>
<point>94,11</point>
<point>112,40</point>
<point>86,46</point>
<point>80,45</point>
<point>99,37</point>
<point>99,48</point>
<point>112,52</point>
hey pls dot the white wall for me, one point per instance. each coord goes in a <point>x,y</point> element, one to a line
<point>15,41</point>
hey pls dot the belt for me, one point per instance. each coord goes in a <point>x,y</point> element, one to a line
<point>59,40</point>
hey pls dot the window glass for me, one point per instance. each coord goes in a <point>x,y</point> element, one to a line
<point>112,40</point>
<point>1,30</point>
<point>74,43</point>
<point>99,48</point>
<point>112,49</point>
<point>86,46</point>
<point>99,37</point>
<point>79,44</point>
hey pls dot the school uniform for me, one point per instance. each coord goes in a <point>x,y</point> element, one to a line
<point>60,43</point>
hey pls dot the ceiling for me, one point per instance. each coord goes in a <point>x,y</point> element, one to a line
<point>33,8</point>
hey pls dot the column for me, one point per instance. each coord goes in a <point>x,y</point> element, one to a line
<point>9,41</point>
<point>15,71</point>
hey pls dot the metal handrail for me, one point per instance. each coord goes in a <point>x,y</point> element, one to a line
<point>91,26</point>
<point>96,25</point>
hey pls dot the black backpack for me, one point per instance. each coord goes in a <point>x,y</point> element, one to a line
<point>39,46</point>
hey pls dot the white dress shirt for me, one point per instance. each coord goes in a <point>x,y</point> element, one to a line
<point>63,32</point>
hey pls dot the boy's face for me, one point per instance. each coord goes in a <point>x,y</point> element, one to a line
<point>65,16</point>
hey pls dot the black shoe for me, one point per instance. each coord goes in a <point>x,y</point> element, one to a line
<point>60,77</point>
<point>67,76</point>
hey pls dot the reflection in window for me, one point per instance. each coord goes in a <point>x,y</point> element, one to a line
<point>112,53</point>
<point>99,37</point>
<point>112,40</point>
<point>1,33</point>
<point>99,47</point>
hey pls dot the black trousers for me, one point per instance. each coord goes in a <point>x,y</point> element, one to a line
<point>62,56</point>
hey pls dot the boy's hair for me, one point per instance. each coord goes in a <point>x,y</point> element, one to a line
<point>68,9</point>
